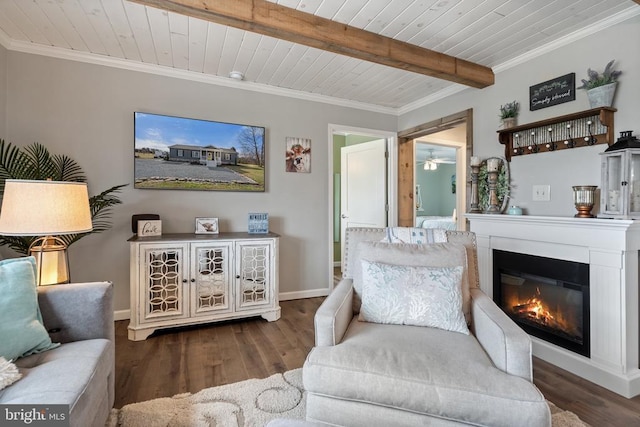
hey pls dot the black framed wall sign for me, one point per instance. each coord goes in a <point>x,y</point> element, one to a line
<point>552,92</point>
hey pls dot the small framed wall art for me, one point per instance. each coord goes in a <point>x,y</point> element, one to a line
<point>298,157</point>
<point>147,228</point>
<point>207,226</point>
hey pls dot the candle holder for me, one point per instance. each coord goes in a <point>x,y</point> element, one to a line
<point>492,177</point>
<point>583,198</point>
<point>475,198</point>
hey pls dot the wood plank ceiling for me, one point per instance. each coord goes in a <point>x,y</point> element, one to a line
<point>488,32</point>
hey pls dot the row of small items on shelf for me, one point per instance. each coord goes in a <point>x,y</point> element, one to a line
<point>574,133</point>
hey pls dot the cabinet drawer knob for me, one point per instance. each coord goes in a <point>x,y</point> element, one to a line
<point>184,280</point>
<point>193,280</point>
<point>238,276</point>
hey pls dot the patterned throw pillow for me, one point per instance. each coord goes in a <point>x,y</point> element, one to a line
<point>418,296</point>
<point>421,236</point>
<point>9,374</point>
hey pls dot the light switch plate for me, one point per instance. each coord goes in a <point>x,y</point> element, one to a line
<point>541,193</point>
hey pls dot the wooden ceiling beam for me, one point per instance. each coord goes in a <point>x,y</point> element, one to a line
<point>271,19</point>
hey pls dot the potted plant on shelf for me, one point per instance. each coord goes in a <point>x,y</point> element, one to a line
<point>601,87</point>
<point>509,114</point>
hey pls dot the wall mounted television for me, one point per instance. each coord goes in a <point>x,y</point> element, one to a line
<point>176,153</point>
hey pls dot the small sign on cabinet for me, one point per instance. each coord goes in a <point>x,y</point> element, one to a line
<point>148,228</point>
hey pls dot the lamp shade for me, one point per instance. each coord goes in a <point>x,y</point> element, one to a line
<point>44,208</point>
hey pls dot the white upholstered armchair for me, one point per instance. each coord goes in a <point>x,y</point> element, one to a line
<point>386,371</point>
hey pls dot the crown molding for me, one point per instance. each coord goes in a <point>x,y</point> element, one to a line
<point>619,17</point>
<point>423,102</point>
<point>612,20</point>
<point>5,40</point>
<point>160,70</point>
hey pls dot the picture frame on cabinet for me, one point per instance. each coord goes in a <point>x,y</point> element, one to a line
<point>207,226</point>
<point>258,223</point>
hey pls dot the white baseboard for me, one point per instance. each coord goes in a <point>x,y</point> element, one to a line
<point>122,315</point>
<point>285,296</point>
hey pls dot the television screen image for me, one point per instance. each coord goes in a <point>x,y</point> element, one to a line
<point>176,153</point>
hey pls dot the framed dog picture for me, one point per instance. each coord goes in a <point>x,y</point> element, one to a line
<point>298,157</point>
<point>207,226</point>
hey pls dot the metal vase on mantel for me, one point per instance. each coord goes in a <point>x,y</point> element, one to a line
<point>584,197</point>
<point>602,96</point>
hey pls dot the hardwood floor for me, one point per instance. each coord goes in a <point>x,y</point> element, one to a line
<point>190,359</point>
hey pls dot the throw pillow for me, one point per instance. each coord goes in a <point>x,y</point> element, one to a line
<point>418,296</point>
<point>433,255</point>
<point>21,330</point>
<point>414,235</point>
<point>9,374</point>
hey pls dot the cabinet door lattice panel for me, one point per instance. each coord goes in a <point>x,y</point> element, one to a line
<point>163,280</point>
<point>254,274</point>
<point>212,279</point>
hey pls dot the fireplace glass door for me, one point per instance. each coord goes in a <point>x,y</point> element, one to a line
<point>547,297</point>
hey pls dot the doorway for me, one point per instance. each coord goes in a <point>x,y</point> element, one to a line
<point>437,177</point>
<point>343,136</point>
<point>433,132</point>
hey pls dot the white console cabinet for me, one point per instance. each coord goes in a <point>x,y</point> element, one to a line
<point>185,279</point>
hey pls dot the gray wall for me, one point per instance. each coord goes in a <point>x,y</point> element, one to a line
<point>86,112</point>
<point>562,169</point>
<point>3,92</point>
<point>435,187</point>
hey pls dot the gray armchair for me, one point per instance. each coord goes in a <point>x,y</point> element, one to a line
<point>364,374</point>
<point>79,373</point>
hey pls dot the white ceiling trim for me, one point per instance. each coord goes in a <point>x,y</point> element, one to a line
<point>50,51</point>
<point>441,94</point>
<point>108,61</point>
<point>5,40</point>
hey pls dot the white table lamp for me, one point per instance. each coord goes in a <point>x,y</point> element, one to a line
<point>46,208</point>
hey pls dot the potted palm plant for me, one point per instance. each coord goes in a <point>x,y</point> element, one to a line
<point>35,162</point>
<point>601,88</point>
<point>509,114</point>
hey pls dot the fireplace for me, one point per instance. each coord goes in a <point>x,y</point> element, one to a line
<point>548,298</point>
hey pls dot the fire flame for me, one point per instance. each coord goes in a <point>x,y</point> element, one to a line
<point>537,309</point>
<point>534,309</point>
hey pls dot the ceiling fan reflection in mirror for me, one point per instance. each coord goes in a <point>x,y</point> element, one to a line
<point>431,162</point>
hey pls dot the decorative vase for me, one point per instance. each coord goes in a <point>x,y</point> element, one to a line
<point>509,122</point>
<point>583,198</point>
<point>602,96</point>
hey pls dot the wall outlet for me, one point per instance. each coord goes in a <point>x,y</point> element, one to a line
<point>541,193</point>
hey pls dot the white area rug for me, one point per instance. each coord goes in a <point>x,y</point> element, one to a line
<point>250,403</point>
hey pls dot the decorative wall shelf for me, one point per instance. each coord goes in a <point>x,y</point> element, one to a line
<point>582,129</point>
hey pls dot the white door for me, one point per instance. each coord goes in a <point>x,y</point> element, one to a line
<point>363,186</point>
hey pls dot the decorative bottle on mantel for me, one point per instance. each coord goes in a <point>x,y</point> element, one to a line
<point>620,189</point>
<point>584,197</point>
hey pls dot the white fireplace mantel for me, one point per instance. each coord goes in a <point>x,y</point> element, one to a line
<point>611,248</point>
